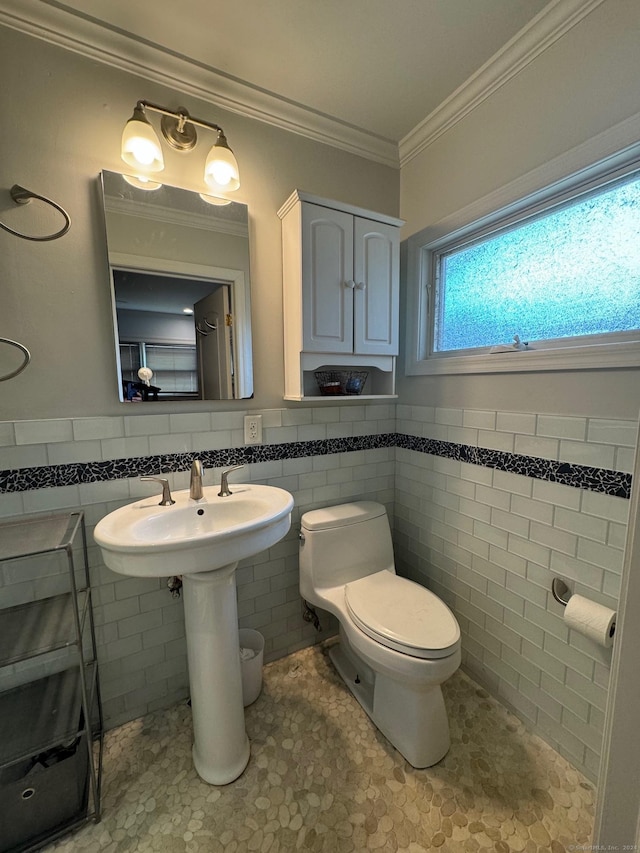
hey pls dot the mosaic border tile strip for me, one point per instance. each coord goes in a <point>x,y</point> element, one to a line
<point>51,476</point>
<point>614,483</point>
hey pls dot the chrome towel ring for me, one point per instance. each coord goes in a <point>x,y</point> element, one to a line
<point>22,196</point>
<point>23,350</point>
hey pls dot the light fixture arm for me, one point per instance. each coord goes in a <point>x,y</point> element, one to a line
<point>181,117</point>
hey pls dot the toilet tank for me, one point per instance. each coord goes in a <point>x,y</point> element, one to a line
<point>340,544</point>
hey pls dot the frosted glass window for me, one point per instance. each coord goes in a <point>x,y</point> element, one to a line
<point>568,273</point>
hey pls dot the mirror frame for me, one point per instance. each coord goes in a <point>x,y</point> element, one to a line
<point>240,285</point>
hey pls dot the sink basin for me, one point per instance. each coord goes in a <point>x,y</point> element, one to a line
<point>144,539</point>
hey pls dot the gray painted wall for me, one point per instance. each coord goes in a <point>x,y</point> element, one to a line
<point>68,118</point>
<point>576,89</point>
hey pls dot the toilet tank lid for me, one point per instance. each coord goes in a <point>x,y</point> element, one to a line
<point>342,515</point>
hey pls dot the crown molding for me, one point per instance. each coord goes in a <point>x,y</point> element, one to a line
<point>67,28</point>
<point>542,31</point>
<point>56,24</point>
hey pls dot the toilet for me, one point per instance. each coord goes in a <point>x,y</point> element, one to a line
<point>398,642</point>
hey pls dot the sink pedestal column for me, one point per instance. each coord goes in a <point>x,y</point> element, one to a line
<point>221,745</point>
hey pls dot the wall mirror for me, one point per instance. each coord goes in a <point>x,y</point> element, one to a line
<point>181,296</point>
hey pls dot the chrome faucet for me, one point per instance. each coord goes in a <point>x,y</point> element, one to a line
<point>225,492</point>
<point>195,486</point>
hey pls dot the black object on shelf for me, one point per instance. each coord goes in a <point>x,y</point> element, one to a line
<point>46,793</point>
<point>340,383</point>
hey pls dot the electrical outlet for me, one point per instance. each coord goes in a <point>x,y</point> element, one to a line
<point>253,429</point>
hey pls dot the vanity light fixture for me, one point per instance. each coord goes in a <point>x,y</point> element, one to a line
<point>141,146</point>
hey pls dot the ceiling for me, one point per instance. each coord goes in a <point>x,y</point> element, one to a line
<point>381,66</point>
<point>159,294</point>
<point>382,79</point>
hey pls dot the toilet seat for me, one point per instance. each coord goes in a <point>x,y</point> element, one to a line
<point>402,615</point>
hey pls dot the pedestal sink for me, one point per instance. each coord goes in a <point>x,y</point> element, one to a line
<point>203,541</point>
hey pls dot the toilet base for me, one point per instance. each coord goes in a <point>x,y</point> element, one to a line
<point>413,719</point>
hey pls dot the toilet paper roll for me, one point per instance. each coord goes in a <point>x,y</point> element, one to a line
<point>593,620</point>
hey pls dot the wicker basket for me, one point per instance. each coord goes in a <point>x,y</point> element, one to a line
<point>341,383</point>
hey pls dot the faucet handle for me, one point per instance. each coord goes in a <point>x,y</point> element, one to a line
<point>224,484</point>
<point>167,500</point>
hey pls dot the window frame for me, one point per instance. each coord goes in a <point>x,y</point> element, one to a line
<point>505,208</point>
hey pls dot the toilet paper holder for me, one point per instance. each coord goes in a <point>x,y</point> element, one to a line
<point>561,591</point>
<point>593,620</point>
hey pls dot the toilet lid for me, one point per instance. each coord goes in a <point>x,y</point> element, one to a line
<point>402,615</point>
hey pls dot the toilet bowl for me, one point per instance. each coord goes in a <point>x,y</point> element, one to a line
<point>398,642</point>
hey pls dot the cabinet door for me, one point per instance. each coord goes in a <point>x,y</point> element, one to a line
<point>327,279</point>
<point>377,287</point>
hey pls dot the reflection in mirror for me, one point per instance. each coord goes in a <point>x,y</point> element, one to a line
<point>180,291</point>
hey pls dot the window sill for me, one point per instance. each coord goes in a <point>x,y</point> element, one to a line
<point>593,357</point>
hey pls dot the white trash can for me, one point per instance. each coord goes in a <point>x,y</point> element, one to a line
<point>251,658</point>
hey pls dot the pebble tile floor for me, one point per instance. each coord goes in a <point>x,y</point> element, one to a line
<point>322,778</point>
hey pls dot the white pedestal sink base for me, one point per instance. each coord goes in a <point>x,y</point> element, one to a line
<point>220,743</point>
<point>202,540</point>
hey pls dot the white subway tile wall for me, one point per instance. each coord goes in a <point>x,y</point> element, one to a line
<point>140,626</point>
<point>487,541</point>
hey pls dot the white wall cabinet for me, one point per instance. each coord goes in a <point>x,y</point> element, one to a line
<point>341,294</point>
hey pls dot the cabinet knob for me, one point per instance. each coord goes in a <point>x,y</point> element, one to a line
<point>350,284</point>
<point>360,285</point>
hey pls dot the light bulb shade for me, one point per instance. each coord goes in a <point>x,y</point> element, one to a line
<point>140,144</point>
<point>221,168</point>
